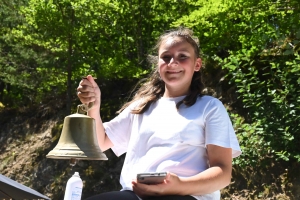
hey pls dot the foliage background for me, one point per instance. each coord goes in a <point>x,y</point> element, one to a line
<point>250,49</point>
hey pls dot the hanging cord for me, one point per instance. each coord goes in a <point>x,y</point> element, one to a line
<point>85,107</point>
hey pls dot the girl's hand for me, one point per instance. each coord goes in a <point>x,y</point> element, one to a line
<point>88,91</point>
<point>168,187</point>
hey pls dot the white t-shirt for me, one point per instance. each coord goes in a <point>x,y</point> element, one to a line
<point>166,139</point>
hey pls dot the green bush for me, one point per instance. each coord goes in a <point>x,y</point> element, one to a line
<point>269,90</point>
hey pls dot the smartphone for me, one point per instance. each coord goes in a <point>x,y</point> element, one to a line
<point>151,178</point>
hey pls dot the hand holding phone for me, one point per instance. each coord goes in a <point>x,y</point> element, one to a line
<point>151,178</point>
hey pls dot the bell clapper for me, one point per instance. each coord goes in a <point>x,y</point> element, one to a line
<point>73,162</point>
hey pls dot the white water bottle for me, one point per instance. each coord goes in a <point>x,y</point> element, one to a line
<point>74,188</point>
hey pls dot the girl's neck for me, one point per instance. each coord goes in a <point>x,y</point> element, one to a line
<point>170,93</point>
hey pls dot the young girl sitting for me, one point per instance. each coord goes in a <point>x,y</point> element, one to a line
<point>169,126</point>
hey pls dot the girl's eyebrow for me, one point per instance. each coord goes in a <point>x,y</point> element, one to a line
<point>183,50</point>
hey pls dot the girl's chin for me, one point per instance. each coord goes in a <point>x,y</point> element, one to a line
<point>175,85</point>
<point>172,82</point>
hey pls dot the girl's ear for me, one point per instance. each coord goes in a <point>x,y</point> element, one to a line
<point>198,64</point>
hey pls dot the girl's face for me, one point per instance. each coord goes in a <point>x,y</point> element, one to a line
<point>177,64</point>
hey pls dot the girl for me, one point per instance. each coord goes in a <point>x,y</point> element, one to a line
<point>169,126</point>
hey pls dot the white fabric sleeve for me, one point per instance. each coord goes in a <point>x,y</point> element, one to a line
<point>118,131</point>
<point>218,127</point>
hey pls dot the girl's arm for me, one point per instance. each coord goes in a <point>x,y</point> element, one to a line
<point>103,141</point>
<point>214,178</point>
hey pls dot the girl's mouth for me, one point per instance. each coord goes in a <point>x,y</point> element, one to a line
<point>173,72</point>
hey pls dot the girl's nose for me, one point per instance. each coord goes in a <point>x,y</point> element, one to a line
<point>172,61</point>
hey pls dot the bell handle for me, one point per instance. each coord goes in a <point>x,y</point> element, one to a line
<point>85,107</point>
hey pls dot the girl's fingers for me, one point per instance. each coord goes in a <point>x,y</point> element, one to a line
<point>92,81</point>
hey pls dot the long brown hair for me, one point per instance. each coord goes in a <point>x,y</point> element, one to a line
<point>154,87</point>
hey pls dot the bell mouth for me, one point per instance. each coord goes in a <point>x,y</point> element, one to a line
<point>78,154</point>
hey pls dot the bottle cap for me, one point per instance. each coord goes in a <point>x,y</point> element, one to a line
<point>76,174</point>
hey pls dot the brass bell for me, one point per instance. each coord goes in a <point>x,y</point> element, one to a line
<point>78,140</point>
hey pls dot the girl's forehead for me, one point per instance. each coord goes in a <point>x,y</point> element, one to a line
<point>171,42</point>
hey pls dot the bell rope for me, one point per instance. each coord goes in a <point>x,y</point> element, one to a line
<point>85,107</point>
